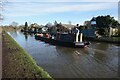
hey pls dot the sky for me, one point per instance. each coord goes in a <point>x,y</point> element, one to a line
<point>44,11</point>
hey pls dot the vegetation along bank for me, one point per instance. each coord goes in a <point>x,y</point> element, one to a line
<point>17,63</point>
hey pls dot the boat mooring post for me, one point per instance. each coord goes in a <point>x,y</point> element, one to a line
<point>77,37</point>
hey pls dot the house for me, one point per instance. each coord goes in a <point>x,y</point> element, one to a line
<point>93,22</point>
<point>68,26</point>
<point>60,28</point>
<point>44,29</point>
<point>34,27</point>
<point>113,31</point>
<point>89,29</point>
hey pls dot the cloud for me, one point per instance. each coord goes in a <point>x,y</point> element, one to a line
<point>84,7</point>
<point>29,9</point>
<point>63,11</point>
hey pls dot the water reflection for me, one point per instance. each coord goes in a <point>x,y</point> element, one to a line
<point>13,33</point>
<point>99,60</point>
<point>26,35</point>
<point>31,34</point>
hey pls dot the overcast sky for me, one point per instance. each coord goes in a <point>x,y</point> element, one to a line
<point>44,11</point>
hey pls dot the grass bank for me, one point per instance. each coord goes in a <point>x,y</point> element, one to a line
<point>17,63</point>
<point>115,40</point>
<point>10,28</point>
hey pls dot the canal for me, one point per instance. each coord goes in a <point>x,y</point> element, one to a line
<point>99,60</point>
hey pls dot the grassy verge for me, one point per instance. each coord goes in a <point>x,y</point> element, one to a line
<point>17,63</point>
<point>115,40</point>
<point>109,39</point>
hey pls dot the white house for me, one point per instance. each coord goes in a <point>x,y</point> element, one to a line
<point>113,31</point>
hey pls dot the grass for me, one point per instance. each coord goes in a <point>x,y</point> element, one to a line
<point>115,38</point>
<point>110,38</point>
<point>19,62</point>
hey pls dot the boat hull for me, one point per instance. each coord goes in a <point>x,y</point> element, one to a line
<point>61,43</point>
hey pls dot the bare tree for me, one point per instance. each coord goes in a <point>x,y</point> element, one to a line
<point>14,24</point>
<point>69,22</point>
<point>55,23</point>
<point>1,17</point>
<point>1,9</point>
<point>48,24</point>
<point>2,5</point>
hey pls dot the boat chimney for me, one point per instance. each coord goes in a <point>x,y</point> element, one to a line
<point>81,35</point>
<point>77,34</point>
<point>77,37</point>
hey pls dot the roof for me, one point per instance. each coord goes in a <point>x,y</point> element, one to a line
<point>93,19</point>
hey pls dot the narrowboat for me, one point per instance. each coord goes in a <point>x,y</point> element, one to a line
<point>63,39</point>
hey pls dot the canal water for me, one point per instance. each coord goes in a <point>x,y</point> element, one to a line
<point>99,60</point>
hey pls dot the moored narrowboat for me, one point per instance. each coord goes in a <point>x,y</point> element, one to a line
<point>63,39</point>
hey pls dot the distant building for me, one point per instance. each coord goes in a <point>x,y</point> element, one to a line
<point>35,25</point>
<point>61,28</point>
<point>87,24</point>
<point>68,26</point>
<point>44,29</point>
<point>52,30</point>
<point>93,22</point>
<point>89,29</point>
<point>113,31</point>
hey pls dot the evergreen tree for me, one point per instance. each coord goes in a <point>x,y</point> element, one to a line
<point>26,26</point>
<point>55,23</point>
<point>106,22</point>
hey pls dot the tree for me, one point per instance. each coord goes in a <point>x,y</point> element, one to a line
<point>106,22</point>
<point>87,24</point>
<point>80,28</point>
<point>103,23</point>
<point>101,31</point>
<point>14,24</point>
<point>26,26</point>
<point>55,23</point>
<point>60,23</point>
<point>2,4</point>
<point>1,17</point>
<point>48,24</point>
<point>69,22</point>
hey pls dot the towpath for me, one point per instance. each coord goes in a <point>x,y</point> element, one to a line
<point>0,52</point>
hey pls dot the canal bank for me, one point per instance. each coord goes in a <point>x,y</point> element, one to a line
<point>104,39</point>
<point>0,52</point>
<point>17,63</point>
